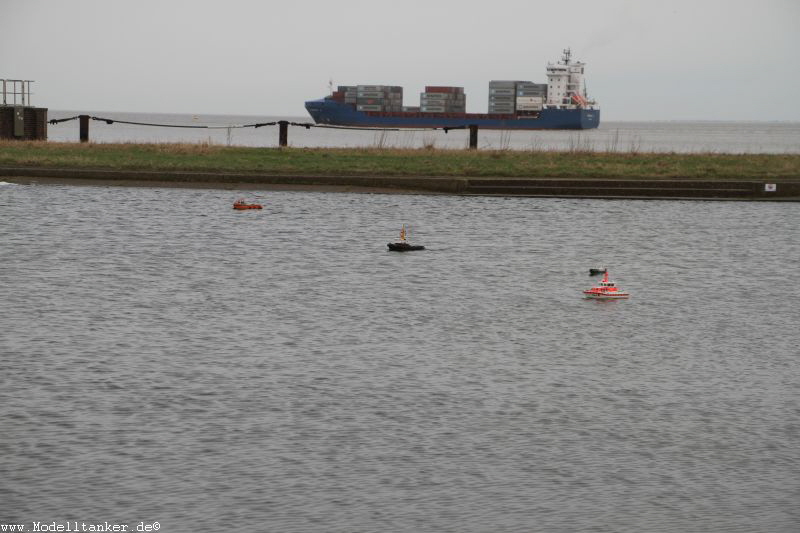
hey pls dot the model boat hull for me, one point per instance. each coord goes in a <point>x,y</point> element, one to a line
<point>403,247</point>
<point>598,296</point>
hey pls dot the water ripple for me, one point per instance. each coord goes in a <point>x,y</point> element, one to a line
<point>165,358</point>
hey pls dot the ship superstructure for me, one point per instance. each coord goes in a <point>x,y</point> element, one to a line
<point>565,86</point>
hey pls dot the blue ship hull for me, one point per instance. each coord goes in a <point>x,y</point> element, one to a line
<point>327,111</point>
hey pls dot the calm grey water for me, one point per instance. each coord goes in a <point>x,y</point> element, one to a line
<point>679,136</point>
<point>166,359</point>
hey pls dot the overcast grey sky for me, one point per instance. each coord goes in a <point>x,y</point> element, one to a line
<point>646,59</point>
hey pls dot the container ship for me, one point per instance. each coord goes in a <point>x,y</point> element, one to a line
<point>559,104</point>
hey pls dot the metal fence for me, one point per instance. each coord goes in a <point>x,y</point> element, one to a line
<point>17,92</point>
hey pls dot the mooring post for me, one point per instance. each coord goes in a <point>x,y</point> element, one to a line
<point>283,132</point>
<point>473,136</point>
<point>84,128</point>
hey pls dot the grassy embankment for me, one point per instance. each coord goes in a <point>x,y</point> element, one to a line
<point>398,162</point>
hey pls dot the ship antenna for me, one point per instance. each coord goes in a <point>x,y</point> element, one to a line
<point>330,85</point>
<point>567,54</point>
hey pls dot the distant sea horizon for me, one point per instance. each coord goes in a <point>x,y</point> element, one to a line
<point>680,136</point>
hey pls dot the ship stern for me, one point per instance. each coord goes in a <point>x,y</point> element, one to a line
<point>590,118</point>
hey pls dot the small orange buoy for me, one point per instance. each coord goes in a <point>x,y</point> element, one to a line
<point>241,204</point>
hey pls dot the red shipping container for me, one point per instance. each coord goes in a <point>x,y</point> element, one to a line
<point>443,89</point>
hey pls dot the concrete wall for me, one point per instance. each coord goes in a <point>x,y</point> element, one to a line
<point>786,189</point>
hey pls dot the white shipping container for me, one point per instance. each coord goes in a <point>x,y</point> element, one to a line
<point>444,101</point>
<point>370,94</point>
<point>438,103</point>
<point>365,107</point>
<point>529,107</point>
<point>529,99</point>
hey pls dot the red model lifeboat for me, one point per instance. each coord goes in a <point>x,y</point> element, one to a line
<point>241,204</point>
<point>605,290</point>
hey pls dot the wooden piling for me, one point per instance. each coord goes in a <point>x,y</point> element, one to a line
<point>84,128</point>
<point>473,136</point>
<point>283,132</point>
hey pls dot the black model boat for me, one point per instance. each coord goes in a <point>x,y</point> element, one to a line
<point>403,245</point>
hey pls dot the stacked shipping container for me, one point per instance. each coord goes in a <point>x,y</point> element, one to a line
<point>502,96</point>
<point>438,99</point>
<point>371,97</point>
<point>531,96</point>
<point>507,97</point>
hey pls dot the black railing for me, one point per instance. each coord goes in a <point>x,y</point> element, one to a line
<point>283,127</point>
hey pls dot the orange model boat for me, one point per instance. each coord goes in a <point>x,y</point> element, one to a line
<point>241,204</point>
<point>605,290</point>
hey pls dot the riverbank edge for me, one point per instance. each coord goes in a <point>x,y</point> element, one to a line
<point>629,188</point>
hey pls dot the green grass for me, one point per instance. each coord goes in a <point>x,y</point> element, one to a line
<point>398,162</point>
